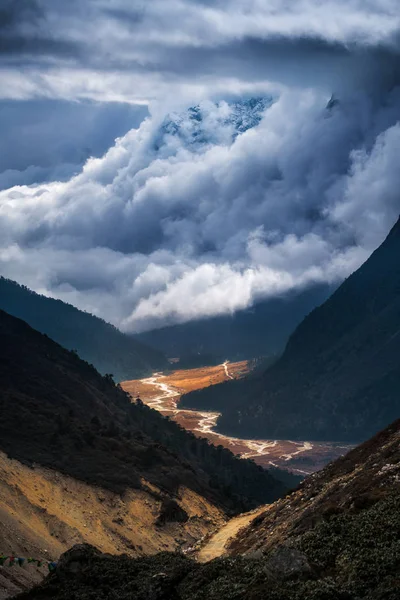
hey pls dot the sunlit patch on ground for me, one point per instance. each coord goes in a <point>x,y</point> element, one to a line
<point>163,393</point>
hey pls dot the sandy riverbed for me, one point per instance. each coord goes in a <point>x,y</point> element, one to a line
<point>163,392</point>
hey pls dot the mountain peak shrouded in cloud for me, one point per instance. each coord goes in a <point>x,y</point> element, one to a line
<point>154,234</point>
<point>212,123</point>
<point>203,211</point>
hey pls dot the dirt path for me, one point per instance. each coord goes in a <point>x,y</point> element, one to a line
<point>215,546</point>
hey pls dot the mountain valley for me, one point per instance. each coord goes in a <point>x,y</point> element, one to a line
<point>335,537</point>
<point>81,462</point>
<point>158,504</point>
<point>199,300</point>
<point>163,393</point>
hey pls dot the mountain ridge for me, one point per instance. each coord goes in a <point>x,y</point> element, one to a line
<point>217,123</point>
<point>95,340</point>
<point>237,337</point>
<point>337,363</point>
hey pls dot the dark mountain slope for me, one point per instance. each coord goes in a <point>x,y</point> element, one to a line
<point>96,341</point>
<point>363,478</point>
<point>262,330</point>
<point>339,377</point>
<point>56,410</point>
<point>335,538</point>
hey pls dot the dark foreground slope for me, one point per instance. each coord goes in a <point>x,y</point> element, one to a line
<point>339,377</point>
<point>56,410</point>
<point>96,341</point>
<point>335,538</point>
<point>262,330</point>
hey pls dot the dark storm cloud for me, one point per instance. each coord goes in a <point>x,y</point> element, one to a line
<point>126,15</point>
<point>295,62</point>
<point>23,31</point>
<point>14,13</point>
<point>32,46</point>
<point>301,62</point>
<point>144,48</point>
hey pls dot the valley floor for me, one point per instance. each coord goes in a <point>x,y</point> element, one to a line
<point>163,393</point>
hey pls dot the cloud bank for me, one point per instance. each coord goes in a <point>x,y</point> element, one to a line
<point>140,51</point>
<point>262,187</point>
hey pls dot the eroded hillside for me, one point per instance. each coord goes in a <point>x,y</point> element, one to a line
<point>43,513</point>
<point>335,538</point>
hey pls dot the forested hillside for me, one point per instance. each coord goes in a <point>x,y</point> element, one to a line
<point>58,411</point>
<point>96,341</point>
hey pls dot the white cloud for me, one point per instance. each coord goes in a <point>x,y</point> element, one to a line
<point>371,197</point>
<point>146,236</point>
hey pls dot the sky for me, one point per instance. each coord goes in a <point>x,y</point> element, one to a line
<point>170,160</point>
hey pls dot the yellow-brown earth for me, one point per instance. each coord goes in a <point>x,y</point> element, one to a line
<point>43,513</point>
